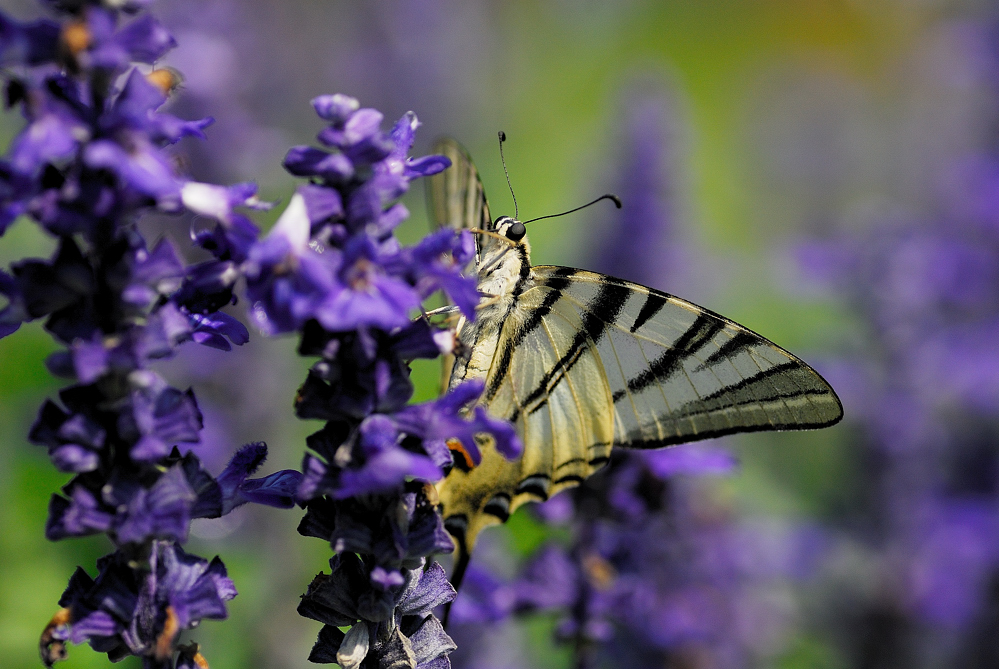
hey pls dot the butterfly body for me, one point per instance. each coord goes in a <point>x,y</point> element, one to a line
<point>582,363</point>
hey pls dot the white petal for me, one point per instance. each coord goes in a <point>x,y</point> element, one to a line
<point>294,223</point>
<point>206,199</point>
<point>354,647</point>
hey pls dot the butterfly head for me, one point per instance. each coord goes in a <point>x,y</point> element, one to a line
<point>505,257</point>
<point>510,228</point>
<point>507,243</point>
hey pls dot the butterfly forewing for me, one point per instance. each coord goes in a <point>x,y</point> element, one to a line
<point>457,201</point>
<point>679,373</point>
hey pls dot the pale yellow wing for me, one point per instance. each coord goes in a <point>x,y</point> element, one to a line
<point>586,362</point>
<point>456,199</point>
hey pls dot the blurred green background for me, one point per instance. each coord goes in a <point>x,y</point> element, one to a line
<point>789,115</point>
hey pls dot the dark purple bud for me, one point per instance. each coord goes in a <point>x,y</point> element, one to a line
<point>217,330</point>
<point>51,137</point>
<point>386,579</point>
<point>306,161</point>
<point>145,169</point>
<point>208,287</point>
<point>79,515</point>
<point>31,43</point>
<point>15,313</point>
<point>164,511</point>
<point>144,40</point>
<point>336,108</point>
<point>332,600</point>
<point>277,489</point>
<point>161,417</point>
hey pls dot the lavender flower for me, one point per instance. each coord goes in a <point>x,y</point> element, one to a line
<point>332,269</point>
<point>92,158</point>
<point>125,611</point>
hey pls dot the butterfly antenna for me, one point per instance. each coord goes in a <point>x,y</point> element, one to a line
<point>502,138</point>
<point>609,196</point>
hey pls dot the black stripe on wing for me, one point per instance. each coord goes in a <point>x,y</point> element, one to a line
<point>599,313</point>
<point>799,381</point>
<point>756,388</point>
<point>700,333</point>
<point>742,340</point>
<point>536,485</point>
<point>654,302</point>
<point>498,506</point>
<point>557,282</point>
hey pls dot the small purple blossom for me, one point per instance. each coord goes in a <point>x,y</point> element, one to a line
<point>126,612</point>
<point>391,627</point>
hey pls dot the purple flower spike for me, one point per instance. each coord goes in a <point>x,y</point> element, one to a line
<point>90,162</point>
<point>332,269</point>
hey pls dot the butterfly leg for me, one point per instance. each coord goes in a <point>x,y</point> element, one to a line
<point>487,300</point>
<point>447,310</point>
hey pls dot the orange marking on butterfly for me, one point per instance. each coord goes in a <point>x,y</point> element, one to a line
<point>458,448</point>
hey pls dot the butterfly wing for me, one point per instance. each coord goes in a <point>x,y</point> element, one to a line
<point>586,362</point>
<point>455,196</point>
<point>457,200</point>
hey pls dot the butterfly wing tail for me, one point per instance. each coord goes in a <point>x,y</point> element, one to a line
<point>461,559</point>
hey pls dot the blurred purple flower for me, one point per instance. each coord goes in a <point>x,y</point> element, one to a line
<point>925,388</point>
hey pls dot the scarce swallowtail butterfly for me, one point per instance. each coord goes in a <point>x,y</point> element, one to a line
<point>582,363</point>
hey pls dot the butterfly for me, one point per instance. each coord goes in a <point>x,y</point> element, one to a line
<point>582,362</point>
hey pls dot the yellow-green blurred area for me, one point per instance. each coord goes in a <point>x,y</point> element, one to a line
<point>790,116</point>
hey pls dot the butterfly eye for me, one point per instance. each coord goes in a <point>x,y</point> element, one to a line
<point>516,231</point>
